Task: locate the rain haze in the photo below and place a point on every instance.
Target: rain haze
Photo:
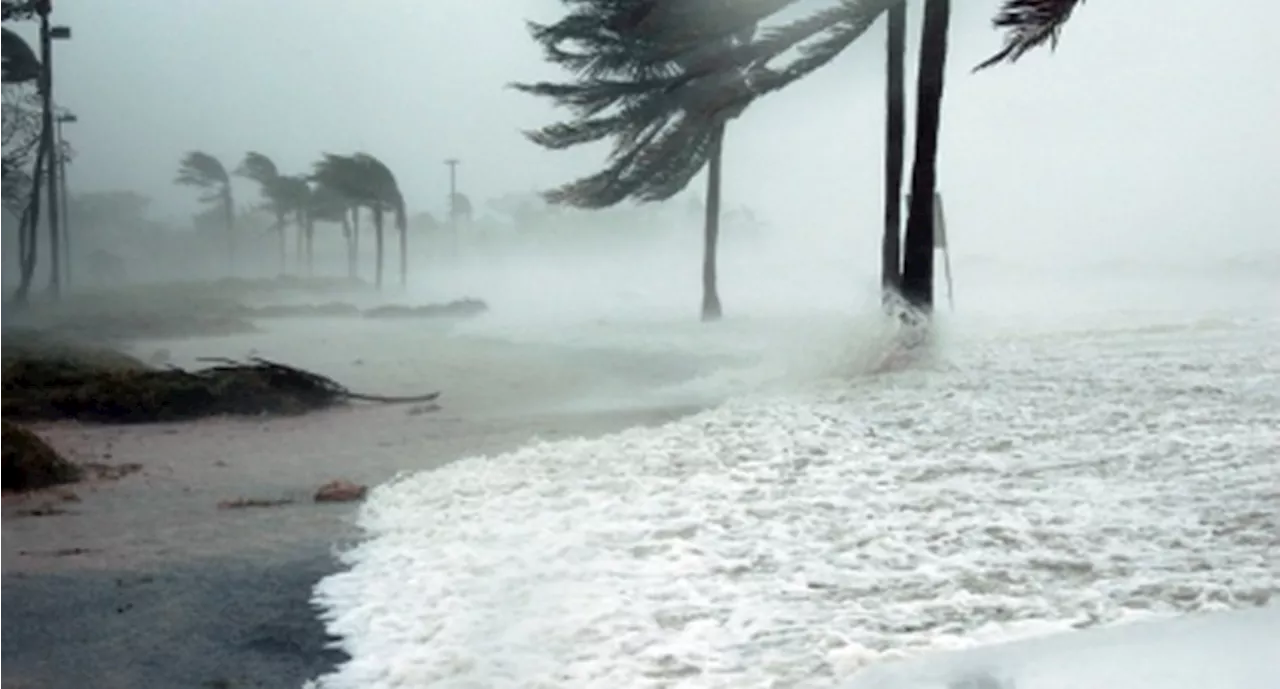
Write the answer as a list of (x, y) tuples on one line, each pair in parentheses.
[(600, 490)]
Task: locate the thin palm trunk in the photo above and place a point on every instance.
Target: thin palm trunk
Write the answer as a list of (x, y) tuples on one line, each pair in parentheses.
[(917, 272), (378, 246), (404, 256), (354, 257), (894, 136), (711, 310), (299, 241), (283, 242), (308, 230), (349, 238), (229, 217)]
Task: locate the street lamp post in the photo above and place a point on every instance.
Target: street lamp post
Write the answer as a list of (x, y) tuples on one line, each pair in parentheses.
[(65, 118)]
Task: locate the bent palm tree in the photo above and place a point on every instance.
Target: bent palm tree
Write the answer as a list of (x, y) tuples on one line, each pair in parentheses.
[(205, 172), (366, 182), (635, 89), (338, 177), (384, 192), (261, 170)]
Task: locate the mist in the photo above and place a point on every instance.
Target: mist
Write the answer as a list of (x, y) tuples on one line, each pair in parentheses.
[(1138, 142)]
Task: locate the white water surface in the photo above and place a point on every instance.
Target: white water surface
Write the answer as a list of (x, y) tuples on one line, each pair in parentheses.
[(1072, 452)]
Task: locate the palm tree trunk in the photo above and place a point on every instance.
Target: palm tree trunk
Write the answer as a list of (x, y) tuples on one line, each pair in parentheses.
[(299, 242), (894, 136), (308, 235), (349, 234), (404, 257), (283, 243), (711, 310), (917, 271), (378, 249), (229, 217), (355, 241)]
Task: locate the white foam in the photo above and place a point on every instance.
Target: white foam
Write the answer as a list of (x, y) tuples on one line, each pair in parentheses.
[(1018, 484)]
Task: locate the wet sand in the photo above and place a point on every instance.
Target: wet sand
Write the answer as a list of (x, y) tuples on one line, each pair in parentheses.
[(144, 582)]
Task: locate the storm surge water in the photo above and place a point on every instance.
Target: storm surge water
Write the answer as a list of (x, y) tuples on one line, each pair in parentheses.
[(1079, 448)]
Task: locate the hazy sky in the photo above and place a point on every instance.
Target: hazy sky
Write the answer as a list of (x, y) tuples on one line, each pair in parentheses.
[(1153, 123)]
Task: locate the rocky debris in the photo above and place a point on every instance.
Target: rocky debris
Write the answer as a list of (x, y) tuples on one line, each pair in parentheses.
[(245, 503), (341, 491)]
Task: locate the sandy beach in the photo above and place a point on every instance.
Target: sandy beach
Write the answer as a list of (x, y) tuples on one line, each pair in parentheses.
[(142, 581)]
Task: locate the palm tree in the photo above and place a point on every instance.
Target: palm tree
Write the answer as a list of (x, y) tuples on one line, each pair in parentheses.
[(337, 178), (666, 29), (366, 182), (205, 172), (263, 171), (666, 130)]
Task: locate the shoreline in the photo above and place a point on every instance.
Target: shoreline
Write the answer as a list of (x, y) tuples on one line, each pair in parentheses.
[(142, 580)]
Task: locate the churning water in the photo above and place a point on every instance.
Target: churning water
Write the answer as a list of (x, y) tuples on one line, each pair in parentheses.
[(1072, 452)]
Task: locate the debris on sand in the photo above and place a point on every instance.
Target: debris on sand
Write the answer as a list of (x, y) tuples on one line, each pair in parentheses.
[(89, 386), (30, 463), (341, 491), (245, 503)]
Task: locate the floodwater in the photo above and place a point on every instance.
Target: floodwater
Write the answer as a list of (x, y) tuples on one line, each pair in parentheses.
[(1076, 449)]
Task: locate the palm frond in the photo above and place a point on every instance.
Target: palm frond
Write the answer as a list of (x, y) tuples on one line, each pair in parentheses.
[(199, 169), (1029, 24), (20, 63), (257, 167)]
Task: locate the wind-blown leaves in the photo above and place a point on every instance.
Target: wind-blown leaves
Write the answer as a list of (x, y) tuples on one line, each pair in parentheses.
[(1029, 24), (203, 171)]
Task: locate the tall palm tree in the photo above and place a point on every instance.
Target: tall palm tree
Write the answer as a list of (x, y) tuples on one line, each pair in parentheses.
[(368, 183), (205, 172), (666, 130), (338, 178), (669, 28), (385, 194), (263, 171)]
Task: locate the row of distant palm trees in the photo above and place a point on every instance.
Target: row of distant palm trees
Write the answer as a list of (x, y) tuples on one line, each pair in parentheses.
[(338, 188)]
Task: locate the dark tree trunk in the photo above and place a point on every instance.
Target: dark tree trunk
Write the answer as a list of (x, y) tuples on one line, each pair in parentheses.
[(894, 136), (355, 241), (378, 247), (711, 310), (917, 271)]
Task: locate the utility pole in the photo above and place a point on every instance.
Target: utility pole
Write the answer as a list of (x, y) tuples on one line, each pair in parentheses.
[(453, 204), (48, 34), (65, 118)]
